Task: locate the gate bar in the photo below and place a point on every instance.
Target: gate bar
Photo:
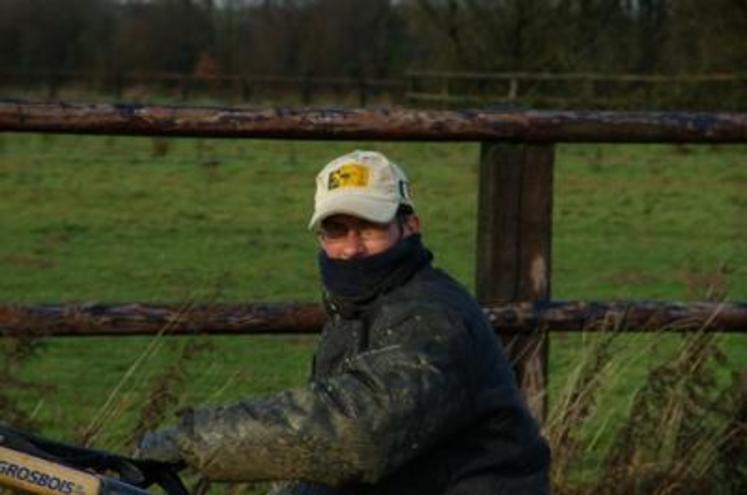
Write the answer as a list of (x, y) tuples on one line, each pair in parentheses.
[(383, 124), (307, 318)]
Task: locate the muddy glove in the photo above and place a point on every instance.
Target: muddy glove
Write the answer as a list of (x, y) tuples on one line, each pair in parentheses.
[(159, 446)]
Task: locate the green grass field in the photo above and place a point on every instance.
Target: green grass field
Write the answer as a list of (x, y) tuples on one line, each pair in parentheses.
[(116, 219)]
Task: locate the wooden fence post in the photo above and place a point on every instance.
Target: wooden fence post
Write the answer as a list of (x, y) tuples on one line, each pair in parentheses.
[(184, 87), (514, 248), (513, 89), (362, 91), (306, 89), (118, 85), (247, 89)]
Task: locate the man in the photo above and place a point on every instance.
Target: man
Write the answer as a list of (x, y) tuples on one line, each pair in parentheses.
[(410, 392)]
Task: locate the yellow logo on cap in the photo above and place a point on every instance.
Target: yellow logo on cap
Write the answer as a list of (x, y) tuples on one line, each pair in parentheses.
[(349, 175)]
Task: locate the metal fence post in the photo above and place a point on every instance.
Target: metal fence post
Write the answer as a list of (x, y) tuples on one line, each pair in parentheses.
[(514, 246)]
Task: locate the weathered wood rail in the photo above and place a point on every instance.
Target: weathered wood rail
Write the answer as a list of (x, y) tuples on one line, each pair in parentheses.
[(514, 244), (385, 124), (307, 318)]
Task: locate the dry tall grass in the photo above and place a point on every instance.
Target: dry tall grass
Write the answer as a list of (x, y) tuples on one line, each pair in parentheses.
[(16, 351), (682, 434)]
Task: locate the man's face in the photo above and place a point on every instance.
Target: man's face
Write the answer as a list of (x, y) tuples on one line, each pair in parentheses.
[(345, 237)]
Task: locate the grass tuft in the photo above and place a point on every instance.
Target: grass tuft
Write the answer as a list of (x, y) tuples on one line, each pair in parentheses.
[(19, 349), (672, 439), (168, 388)]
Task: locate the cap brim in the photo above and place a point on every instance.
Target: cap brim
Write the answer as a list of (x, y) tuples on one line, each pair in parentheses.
[(371, 209)]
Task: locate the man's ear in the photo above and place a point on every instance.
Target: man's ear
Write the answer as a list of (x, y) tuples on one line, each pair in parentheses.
[(412, 224)]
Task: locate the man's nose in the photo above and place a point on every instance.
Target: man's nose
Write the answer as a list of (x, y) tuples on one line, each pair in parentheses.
[(353, 246)]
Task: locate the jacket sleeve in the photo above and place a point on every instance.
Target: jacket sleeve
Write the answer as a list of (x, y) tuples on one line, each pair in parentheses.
[(387, 405)]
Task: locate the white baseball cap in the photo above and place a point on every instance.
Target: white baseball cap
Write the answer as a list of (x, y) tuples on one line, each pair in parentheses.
[(363, 184)]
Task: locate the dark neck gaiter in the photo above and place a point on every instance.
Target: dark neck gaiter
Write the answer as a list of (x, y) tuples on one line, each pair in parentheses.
[(361, 279)]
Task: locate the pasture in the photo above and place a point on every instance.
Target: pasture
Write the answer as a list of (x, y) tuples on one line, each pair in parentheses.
[(117, 219)]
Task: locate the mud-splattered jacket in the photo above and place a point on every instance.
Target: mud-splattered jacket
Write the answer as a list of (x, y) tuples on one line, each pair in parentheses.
[(410, 394)]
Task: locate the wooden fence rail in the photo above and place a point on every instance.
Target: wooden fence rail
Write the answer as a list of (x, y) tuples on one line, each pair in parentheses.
[(388, 124), (307, 318), (578, 76)]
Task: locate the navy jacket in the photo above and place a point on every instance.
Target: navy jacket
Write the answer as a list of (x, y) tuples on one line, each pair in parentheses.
[(410, 394)]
